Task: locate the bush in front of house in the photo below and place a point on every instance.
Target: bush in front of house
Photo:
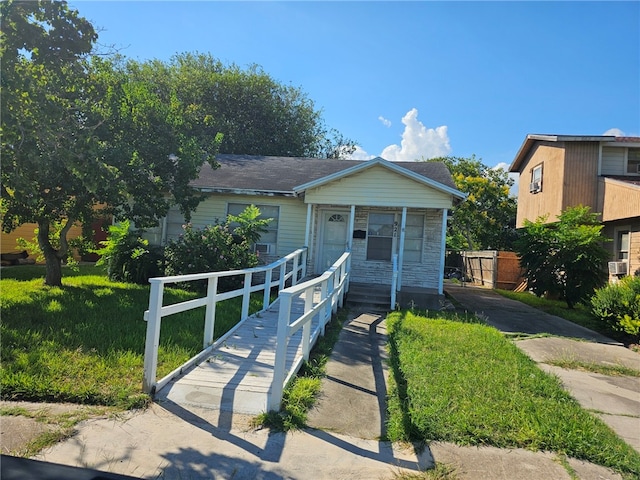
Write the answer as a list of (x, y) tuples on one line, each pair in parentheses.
[(618, 304), (214, 248), (129, 257)]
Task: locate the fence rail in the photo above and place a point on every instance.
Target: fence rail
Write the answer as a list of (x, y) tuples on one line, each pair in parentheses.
[(290, 268)]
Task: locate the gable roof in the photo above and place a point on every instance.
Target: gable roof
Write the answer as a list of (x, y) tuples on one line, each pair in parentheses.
[(288, 175), (532, 139)]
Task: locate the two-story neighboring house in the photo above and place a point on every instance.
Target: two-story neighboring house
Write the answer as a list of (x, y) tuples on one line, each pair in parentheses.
[(601, 172)]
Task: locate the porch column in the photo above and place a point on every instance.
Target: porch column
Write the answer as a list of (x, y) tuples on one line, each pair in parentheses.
[(403, 224), (352, 222), (443, 248), (307, 230)]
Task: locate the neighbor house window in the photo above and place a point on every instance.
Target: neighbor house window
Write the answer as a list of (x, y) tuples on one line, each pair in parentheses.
[(622, 245), (380, 236), (268, 240), (536, 179), (633, 160)]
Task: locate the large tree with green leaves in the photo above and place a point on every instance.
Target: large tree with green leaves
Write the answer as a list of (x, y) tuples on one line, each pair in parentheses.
[(256, 114), (80, 133), (564, 258), (486, 219)]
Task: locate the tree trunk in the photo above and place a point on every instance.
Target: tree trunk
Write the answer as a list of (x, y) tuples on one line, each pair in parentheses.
[(53, 257)]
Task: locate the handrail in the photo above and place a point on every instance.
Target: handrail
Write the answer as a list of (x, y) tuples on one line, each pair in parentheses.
[(153, 316), (330, 289)]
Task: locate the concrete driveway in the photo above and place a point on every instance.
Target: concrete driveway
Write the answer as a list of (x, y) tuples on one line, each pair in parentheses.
[(615, 399)]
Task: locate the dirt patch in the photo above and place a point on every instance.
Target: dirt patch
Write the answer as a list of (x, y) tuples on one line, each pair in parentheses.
[(27, 427)]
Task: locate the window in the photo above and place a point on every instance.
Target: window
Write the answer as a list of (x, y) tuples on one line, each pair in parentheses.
[(380, 236), (270, 237), (633, 160), (413, 235), (622, 245), (536, 179)]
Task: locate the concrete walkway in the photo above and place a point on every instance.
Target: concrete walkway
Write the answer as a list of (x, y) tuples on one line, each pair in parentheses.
[(343, 442)]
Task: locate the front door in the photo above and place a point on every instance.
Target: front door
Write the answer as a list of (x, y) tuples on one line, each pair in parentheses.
[(333, 238)]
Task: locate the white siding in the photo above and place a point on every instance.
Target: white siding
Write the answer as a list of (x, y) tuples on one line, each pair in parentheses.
[(378, 186), (613, 162)]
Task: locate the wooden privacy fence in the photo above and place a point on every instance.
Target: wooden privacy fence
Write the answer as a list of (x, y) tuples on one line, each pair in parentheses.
[(492, 268)]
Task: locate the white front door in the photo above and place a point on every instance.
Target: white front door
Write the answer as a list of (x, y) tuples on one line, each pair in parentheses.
[(333, 238)]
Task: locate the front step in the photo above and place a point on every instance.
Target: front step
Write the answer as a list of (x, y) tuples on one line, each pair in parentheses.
[(377, 297)]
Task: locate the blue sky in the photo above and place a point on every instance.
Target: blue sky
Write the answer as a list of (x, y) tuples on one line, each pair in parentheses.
[(407, 80)]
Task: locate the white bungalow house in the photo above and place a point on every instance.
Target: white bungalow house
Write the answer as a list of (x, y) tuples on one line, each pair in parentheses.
[(376, 209)]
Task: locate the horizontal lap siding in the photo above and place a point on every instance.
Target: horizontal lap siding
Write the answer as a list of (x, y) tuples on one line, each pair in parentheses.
[(619, 200), (291, 223), (377, 186)]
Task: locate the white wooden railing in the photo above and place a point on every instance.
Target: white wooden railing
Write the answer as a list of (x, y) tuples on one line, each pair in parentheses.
[(330, 289), (293, 267)]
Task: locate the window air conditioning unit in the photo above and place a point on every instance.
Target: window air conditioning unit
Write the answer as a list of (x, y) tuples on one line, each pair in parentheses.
[(618, 268), (265, 248), (534, 187)]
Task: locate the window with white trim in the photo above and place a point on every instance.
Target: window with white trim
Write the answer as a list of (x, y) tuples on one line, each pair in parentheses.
[(622, 244), (268, 238), (382, 236), (633, 161), (536, 179)]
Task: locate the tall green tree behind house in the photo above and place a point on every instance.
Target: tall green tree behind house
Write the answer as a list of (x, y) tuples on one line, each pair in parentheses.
[(256, 114), (80, 132), (487, 218), (564, 258)]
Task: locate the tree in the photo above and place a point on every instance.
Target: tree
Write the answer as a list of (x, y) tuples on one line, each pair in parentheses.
[(486, 219), (564, 258), (79, 133), (256, 114)]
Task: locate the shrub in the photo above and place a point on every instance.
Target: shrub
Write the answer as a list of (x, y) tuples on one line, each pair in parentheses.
[(214, 248), (618, 304), (129, 257)]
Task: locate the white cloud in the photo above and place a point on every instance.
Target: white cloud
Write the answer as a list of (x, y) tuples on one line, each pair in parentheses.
[(418, 141), (516, 178), (616, 132), (360, 154), (385, 122)]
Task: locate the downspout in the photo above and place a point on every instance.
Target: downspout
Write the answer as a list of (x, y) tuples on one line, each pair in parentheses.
[(443, 248), (163, 233), (403, 224), (308, 234)]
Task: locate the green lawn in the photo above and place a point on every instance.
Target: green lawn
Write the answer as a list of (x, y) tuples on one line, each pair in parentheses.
[(84, 342), (466, 383)]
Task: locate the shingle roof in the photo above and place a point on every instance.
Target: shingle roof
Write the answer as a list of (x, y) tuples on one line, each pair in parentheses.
[(282, 174)]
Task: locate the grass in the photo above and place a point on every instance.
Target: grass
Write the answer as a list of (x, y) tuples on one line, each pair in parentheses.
[(466, 383), (301, 393), (609, 370), (580, 314), (84, 342)]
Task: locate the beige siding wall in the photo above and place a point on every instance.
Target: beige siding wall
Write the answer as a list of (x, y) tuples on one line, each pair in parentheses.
[(580, 179), (549, 200), (377, 186), (633, 225), (618, 200), (613, 161)]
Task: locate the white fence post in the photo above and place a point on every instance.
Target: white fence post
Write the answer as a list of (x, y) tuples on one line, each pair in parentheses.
[(306, 329), (266, 301), (210, 312), (282, 341), (294, 272), (246, 296), (153, 336), (324, 316), (283, 275)]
